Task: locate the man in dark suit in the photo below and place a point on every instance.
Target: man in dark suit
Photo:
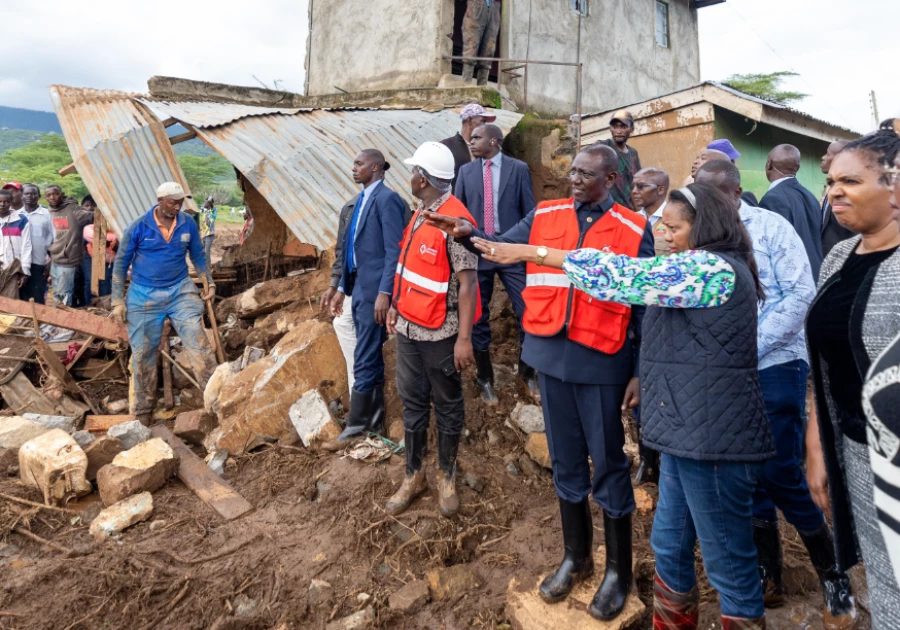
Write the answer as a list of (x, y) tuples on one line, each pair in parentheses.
[(790, 199), (371, 248), (496, 189), (472, 116), (832, 231)]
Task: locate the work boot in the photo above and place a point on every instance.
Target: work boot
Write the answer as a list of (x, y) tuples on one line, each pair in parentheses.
[(529, 377), (485, 377), (415, 483), (448, 500), (835, 583), (673, 610), (648, 466), (742, 623), (358, 421), (578, 563), (609, 599), (376, 424), (767, 539)]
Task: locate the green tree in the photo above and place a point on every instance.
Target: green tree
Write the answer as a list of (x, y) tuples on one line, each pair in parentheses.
[(205, 174), (39, 163), (766, 86)]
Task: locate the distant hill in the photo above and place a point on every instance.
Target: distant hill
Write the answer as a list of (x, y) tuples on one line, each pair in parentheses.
[(28, 119), (191, 147), (15, 138)]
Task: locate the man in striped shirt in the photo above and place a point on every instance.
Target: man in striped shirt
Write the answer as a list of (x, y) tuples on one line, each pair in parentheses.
[(15, 247)]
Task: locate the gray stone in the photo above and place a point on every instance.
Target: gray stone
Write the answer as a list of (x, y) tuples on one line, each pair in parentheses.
[(119, 516), (320, 593), (528, 418), (16, 430), (65, 423), (512, 470), (83, 438), (473, 481), (244, 606), (411, 598), (312, 419), (217, 462), (130, 433)]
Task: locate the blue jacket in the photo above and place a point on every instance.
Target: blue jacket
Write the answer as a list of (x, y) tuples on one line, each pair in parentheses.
[(802, 210), (153, 261), (377, 245), (516, 197)]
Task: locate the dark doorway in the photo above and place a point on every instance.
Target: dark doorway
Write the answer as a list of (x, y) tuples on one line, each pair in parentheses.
[(458, 15)]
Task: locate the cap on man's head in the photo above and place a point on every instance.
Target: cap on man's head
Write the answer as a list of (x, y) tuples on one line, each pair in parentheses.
[(171, 189), (12, 185), (623, 116), (474, 109), (724, 145)]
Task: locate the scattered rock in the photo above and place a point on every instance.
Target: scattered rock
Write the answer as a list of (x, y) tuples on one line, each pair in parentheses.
[(122, 515), (118, 406), (56, 464), (320, 593), (537, 447), (449, 582), (312, 419), (157, 525), (100, 453), (244, 606), (194, 426), (411, 598), (493, 438), (529, 418), (83, 438), (16, 430), (256, 401), (362, 598), (217, 461), (145, 468), (65, 423), (643, 501), (473, 481), (512, 470), (357, 621), (529, 467), (130, 433)]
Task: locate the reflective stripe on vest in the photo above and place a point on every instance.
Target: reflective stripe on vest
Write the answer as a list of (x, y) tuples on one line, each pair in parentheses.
[(551, 302), (421, 281)]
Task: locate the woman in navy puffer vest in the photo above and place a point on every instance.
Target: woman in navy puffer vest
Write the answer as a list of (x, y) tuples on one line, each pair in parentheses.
[(702, 407)]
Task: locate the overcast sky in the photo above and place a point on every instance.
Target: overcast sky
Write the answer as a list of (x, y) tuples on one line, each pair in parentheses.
[(841, 54)]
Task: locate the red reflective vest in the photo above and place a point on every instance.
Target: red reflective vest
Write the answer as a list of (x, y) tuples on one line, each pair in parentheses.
[(423, 271), (550, 300)]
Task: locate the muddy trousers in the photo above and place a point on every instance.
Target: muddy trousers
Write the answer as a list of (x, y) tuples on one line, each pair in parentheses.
[(480, 28), (420, 379), (148, 308)]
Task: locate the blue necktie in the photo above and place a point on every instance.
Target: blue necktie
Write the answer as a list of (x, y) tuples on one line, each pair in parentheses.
[(351, 249)]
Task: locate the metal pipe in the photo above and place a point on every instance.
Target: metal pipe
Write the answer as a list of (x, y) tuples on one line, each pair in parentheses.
[(540, 63)]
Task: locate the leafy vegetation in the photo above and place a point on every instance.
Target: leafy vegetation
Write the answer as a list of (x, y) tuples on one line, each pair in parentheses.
[(766, 86)]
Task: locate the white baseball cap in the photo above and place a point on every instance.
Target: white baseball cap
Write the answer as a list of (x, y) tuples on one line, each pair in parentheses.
[(171, 189)]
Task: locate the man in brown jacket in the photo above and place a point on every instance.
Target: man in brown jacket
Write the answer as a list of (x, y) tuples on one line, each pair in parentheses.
[(67, 250)]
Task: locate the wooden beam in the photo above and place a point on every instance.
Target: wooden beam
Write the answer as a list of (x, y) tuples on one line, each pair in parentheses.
[(168, 122), (72, 320), (67, 170), (202, 481), (102, 424), (183, 137), (166, 367)]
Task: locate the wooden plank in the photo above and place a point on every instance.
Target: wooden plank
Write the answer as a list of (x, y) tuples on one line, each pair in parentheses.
[(79, 321), (166, 367), (196, 475), (102, 424), (183, 137), (67, 170)]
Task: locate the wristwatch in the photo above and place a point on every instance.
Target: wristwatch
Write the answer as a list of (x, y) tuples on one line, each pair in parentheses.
[(541, 254)]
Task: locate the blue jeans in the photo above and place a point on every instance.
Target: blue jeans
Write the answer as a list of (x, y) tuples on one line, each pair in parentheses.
[(148, 308), (783, 483), (63, 280), (104, 287), (712, 502)]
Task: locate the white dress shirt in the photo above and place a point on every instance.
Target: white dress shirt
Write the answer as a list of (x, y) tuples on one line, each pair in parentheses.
[(656, 217), (778, 181)]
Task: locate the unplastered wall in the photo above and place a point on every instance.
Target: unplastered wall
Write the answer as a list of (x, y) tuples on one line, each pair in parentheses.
[(623, 63), (389, 44)]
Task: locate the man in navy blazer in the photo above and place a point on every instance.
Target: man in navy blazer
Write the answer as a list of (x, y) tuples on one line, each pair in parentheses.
[(790, 199), (370, 250), (497, 191)]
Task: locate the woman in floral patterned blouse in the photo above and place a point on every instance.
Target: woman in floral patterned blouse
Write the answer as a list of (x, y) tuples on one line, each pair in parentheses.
[(702, 406)]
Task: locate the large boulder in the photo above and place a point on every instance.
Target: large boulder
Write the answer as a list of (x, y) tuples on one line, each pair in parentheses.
[(257, 401), (145, 468), (121, 515), (16, 430)]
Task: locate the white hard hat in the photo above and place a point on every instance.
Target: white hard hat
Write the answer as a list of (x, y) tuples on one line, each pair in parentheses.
[(435, 158)]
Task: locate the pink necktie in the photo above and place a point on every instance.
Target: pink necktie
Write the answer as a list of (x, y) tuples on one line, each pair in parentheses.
[(488, 199)]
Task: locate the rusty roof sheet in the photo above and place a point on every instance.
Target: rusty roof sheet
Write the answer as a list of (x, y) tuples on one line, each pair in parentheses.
[(301, 162), (206, 114), (119, 149)]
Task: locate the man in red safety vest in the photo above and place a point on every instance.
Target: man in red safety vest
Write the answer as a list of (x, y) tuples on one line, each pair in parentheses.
[(434, 306), (586, 352)]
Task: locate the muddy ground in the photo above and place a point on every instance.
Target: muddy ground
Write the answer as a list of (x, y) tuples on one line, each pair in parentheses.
[(319, 516)]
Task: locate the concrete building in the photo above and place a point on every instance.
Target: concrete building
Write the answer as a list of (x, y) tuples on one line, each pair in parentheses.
[(631, 49), (670, 131)]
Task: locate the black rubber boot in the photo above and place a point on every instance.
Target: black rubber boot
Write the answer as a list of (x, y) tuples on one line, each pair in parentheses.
[(648, 466), (485, 378), (358, 420), (529, 377), (376, 424), (767, 539), (835, 583), (578, 563), (610, 598)]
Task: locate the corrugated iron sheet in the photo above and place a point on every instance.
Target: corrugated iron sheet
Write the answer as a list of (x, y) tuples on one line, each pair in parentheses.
[(119, 148), (301, 162), (205, 114)]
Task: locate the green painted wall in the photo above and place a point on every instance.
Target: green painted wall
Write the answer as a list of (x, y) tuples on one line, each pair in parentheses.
[(755, 147)]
